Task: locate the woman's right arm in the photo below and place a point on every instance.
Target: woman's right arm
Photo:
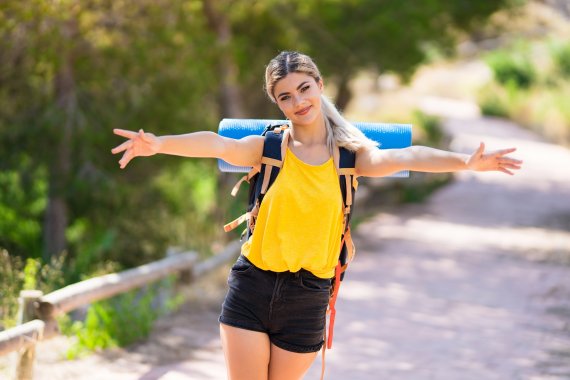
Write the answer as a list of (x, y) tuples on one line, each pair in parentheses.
[(244, 152)]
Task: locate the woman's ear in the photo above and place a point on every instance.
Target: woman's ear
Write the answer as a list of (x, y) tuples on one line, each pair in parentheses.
[(321, 84)]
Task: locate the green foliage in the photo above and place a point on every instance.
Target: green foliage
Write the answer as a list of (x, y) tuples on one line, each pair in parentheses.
[(542, 106), (16, 276), (10, 285), (493, 107), (346, 37), (189, 194), (514, 70), (492, 102), (430, 127), (121, 320), (23, 197), (91, 334), (91, 242), (30, 274), (561, 59), (72, 71)]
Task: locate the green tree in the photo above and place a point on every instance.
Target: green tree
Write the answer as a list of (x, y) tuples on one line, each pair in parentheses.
[(72, 71), (348, 36)]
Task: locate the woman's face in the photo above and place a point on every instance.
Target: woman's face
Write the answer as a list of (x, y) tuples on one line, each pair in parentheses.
[(298, 96)]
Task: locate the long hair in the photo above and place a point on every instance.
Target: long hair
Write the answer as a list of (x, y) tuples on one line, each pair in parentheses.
[(339, 131)]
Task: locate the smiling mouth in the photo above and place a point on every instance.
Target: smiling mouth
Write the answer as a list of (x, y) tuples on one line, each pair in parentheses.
[(303, 111)]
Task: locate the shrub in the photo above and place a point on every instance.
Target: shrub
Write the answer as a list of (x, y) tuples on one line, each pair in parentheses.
[(123, 319), (511, 69), (431, 132), (16, 276), (10, 284), (561, 59), (492, 101)]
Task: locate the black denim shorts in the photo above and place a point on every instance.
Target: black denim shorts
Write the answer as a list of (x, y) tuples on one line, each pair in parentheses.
[(289, 307)]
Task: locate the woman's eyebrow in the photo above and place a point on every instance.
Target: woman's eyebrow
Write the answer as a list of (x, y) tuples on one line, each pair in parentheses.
[(298, 87)]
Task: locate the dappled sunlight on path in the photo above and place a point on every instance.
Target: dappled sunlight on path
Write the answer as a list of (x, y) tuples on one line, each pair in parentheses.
[(474, 284)]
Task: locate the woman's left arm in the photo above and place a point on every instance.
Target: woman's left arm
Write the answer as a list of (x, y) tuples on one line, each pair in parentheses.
[(377, 163)]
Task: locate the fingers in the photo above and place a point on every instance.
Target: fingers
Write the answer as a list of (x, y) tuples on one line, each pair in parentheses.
[(513, 167), (124, 146), (481, 149), (496, 161), (125, 133), (127, 145), (502, 152), (128, 156), (145, 136), (506, 163), (508, 160)]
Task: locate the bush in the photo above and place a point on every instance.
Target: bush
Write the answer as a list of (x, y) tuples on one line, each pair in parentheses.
[(10, 285), (493, 106), (561, 59), (121, 320), (16, 276), (493, 101), (431, 133), (509, 69)]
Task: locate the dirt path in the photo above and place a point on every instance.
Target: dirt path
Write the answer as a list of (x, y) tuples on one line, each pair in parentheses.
[(469, 285)]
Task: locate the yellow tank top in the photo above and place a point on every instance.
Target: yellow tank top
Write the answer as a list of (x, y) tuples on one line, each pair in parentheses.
[(299, 224)]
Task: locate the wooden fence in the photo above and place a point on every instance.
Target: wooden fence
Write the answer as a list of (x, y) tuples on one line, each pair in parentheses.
[(37, 312)]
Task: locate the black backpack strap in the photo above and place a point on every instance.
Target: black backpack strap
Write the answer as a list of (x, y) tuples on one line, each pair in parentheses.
[(271, 164), (348, 186), (261, 178)]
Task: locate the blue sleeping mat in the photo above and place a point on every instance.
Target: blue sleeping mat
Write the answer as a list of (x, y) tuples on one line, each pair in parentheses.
[(389, 136)]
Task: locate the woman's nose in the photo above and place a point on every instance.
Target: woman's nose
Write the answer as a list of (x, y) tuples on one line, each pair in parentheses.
[(296, 99)]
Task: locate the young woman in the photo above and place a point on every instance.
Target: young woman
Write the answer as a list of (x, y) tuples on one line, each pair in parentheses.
[(273, 318)]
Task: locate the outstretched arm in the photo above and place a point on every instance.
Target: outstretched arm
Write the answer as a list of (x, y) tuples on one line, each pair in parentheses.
[(243, 152), (378, 163)]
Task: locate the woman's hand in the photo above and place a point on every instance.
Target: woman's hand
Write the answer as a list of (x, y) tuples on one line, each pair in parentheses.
[(139, 144), (493, 161)]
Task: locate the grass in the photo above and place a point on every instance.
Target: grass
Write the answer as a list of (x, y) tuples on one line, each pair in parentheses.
[(533, 94)]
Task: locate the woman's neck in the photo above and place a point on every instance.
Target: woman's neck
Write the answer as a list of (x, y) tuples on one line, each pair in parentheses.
[(310, 134)]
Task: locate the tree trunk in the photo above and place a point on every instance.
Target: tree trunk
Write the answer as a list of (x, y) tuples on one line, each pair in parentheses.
[(56, 217), (344, 93), (229, 94)]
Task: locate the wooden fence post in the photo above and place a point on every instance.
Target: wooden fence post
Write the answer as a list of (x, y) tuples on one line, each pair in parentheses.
[(26, 313)]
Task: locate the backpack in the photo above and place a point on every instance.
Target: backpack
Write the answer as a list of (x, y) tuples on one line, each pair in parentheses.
[(260, 180)]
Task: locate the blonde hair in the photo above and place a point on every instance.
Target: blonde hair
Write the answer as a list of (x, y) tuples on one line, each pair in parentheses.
[(339, 131)]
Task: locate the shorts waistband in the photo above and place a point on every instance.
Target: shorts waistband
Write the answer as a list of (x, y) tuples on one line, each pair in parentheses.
[(300, 273)]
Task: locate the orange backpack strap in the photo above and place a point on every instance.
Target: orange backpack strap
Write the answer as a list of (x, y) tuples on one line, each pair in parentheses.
[(245, 178), (236, 222), (345, 162)]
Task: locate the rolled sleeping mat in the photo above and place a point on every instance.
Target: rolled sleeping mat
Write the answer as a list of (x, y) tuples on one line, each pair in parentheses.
[(388, 135)]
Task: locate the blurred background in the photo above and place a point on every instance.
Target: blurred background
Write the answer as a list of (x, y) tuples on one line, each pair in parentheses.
[(72, 71)]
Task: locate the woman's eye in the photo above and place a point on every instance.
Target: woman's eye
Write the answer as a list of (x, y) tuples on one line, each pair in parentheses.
[(305, 88), (283, 98)]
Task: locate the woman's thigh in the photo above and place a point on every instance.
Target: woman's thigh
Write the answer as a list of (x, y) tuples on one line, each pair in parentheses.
[(288, 365), (247, 353)]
